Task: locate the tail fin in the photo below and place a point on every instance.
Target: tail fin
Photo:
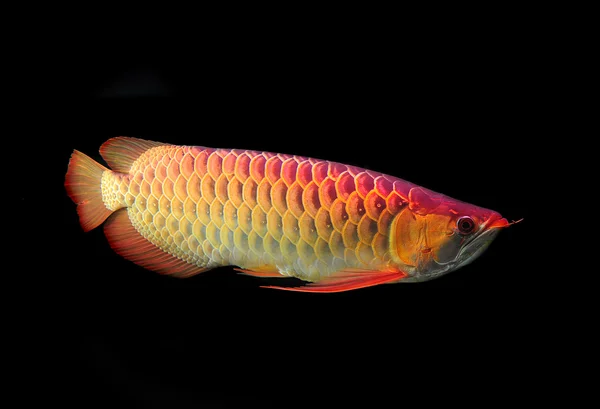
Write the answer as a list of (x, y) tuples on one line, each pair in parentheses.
[(84, 186)]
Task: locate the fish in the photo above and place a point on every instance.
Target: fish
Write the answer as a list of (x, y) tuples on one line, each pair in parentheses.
[(183, 210)]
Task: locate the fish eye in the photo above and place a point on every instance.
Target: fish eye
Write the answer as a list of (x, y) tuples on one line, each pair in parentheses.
[(465, 225)]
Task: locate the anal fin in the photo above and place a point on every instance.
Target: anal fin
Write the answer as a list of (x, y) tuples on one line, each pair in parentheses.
[(126, 241), (347, 280)]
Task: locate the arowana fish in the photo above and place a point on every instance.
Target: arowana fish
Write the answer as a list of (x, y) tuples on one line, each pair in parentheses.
[(182, 210)]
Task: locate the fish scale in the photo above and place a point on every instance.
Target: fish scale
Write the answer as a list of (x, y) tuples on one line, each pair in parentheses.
[(212, 207)]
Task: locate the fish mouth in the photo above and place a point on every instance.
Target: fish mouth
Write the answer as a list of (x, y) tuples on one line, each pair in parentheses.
[(497, 222)]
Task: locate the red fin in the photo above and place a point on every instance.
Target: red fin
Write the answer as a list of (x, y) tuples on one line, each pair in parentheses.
[(83, 184), (130, 244), (122, 151), (347, 280), (263, 271)]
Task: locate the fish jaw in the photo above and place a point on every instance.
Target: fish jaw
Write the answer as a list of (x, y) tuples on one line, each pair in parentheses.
[(476, 248)]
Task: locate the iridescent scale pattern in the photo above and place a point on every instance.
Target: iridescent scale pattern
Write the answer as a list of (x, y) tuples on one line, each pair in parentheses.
[(305, 217)]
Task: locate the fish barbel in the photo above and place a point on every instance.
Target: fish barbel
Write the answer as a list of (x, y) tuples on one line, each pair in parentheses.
[(182, 210)]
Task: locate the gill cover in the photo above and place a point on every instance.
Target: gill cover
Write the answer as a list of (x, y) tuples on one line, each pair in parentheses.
[(425, 231)]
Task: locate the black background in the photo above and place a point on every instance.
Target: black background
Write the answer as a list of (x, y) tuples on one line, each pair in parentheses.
[(453, 115)]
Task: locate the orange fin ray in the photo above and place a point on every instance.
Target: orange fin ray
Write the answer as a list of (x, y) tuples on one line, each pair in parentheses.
[(263, 272), (122, 151), (83, 183), (130, 244), (347, 280)]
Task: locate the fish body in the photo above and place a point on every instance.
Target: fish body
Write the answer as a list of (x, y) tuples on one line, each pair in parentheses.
[(181, 210)]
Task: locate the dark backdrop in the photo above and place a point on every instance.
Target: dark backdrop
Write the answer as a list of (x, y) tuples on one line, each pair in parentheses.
[(451, 118)]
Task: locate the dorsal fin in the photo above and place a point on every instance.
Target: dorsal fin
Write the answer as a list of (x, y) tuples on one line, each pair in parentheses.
[(122, 151)]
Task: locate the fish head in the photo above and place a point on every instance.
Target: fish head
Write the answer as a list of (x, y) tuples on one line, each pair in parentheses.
[(436, 234)]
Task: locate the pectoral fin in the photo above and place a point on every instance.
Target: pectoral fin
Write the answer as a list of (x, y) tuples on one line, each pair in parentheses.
[(347, 280), (262, 271)]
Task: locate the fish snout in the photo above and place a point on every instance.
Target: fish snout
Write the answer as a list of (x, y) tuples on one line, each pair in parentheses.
[(496, 221)]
